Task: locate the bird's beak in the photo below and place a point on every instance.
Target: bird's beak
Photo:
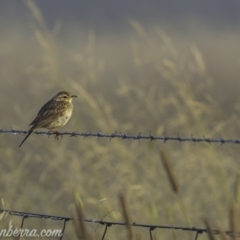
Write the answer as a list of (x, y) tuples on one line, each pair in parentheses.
[(74, 96)]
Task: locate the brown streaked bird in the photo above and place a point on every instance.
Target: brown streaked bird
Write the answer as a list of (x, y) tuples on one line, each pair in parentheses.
[(53, 114)]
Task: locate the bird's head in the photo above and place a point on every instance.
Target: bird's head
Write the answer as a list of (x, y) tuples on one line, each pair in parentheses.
[(64, 96)]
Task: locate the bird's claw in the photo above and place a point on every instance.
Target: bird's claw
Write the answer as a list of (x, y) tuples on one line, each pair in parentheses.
[(56, 135)]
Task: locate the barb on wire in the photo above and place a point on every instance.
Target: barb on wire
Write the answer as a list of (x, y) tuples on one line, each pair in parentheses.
[(112, 223), (138, 137)]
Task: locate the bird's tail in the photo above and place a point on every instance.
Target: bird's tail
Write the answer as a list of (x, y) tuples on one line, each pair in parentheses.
[(29, 133)]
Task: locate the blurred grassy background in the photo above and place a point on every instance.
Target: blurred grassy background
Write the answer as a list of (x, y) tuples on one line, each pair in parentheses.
[(141, 82)]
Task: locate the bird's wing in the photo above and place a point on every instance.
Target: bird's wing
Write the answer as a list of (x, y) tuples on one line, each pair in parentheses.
[(48, 113)]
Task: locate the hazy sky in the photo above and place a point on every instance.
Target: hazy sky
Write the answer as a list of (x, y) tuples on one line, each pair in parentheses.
[(103, 14), (213, 26)]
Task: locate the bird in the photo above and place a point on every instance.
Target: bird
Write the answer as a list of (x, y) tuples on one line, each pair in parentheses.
[(53, 114)]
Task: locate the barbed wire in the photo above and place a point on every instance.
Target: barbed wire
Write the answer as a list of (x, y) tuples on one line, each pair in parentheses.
[(108, 224), (139, 137)]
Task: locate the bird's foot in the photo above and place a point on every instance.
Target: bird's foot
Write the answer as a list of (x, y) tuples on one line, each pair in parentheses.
[(56, 135)]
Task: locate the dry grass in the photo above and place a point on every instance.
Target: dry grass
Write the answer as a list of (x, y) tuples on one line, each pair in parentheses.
[(165, 91)]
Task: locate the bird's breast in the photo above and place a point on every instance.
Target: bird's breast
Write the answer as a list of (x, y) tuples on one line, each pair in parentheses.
[(67, 114), (62, 119)]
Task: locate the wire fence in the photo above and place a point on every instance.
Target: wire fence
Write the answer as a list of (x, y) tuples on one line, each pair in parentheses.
[(107, 224), (138, 136)]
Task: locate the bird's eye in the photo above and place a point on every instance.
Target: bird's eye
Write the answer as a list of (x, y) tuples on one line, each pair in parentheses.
[(64, 96)]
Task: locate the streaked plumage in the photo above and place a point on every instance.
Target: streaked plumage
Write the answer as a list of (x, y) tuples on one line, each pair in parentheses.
[(53, 114)]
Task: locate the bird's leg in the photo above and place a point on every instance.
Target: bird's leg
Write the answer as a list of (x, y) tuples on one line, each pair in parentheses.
[(55, 133)]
